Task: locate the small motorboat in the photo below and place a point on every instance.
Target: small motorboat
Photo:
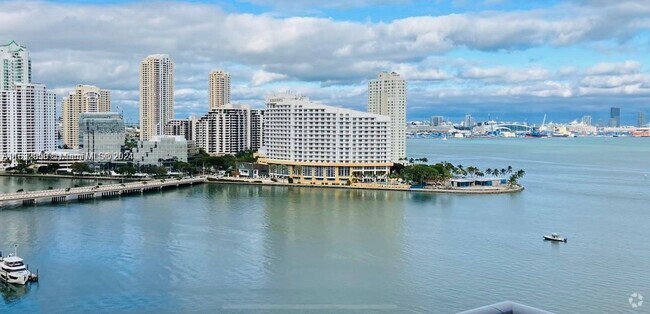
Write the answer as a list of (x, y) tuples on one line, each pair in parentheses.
[(554, 237)]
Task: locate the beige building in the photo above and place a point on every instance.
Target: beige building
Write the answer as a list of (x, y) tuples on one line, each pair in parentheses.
[(219, 89), (387, 97), (84, 98), (156, 95), (311, 143)]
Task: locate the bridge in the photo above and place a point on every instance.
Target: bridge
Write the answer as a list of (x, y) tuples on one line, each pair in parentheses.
[(98, 191)]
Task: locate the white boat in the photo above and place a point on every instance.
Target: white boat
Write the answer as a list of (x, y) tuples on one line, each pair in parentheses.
[(13, 270), (554, 237)]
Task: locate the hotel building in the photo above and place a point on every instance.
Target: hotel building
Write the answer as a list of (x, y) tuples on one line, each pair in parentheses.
[(387, 97), (156, 95), (85, 98), (219, 89), (312, 143), (229, 129)]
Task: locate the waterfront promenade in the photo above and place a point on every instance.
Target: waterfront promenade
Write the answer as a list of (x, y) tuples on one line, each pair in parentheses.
[(96, 191), (371, 186)]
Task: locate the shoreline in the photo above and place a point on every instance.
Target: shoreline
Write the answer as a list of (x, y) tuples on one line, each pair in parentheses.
[(517, 189)]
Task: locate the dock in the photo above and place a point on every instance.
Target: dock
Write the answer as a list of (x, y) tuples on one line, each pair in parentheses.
[(97, 191)]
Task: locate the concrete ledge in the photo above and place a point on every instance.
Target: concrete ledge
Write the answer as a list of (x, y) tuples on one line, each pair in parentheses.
[(372, 187)]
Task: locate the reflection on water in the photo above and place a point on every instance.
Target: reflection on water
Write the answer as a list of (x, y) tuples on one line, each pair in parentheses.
[(13, 293)]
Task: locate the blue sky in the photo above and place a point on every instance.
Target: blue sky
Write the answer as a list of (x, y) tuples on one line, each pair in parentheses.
[(516, 60)]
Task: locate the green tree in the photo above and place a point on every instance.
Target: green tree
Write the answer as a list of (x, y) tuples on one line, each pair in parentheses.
[(42, 170), (156, 171), (127, 170), (419, 173), (520, 173), (80, 167)]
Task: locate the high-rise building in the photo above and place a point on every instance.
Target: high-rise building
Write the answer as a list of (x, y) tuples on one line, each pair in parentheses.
[(85, 98), (156, 95), (387, 97), (15, 65), (469, 121), (229, 129), (257, 129), (182, 127), (27, 120), (312, 143), (615, 117), (640, 119), (219, 89), (102, 134), (28, 111), (586, 120), (437, 120)]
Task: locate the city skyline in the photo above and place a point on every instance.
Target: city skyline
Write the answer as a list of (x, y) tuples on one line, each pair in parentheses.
[(546, 63)]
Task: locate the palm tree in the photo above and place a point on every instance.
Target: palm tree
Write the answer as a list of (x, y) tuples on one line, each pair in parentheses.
[(488, 171), (520, 173), (509, 169)]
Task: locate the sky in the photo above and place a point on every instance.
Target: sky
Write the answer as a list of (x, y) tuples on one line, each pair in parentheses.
[(506, 59)]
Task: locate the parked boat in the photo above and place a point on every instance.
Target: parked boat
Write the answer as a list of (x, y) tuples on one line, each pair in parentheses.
[(554, 237), (13, 270)]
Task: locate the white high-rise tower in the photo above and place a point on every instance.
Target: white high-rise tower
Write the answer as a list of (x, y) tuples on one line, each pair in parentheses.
[(15, 65), (387, 96), (156, 95), (219, 89), (28, 115)]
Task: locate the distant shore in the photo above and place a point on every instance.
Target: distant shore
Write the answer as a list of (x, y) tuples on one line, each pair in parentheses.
[(387, 187)]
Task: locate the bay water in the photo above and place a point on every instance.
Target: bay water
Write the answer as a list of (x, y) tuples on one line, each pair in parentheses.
[(258, 249)]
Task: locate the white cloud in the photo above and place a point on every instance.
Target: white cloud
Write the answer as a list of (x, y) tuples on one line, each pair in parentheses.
[(262, 77), (626, 67), (505, 75), (103, 45)]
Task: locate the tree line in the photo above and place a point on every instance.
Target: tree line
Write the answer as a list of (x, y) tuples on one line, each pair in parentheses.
[(438, 174)]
